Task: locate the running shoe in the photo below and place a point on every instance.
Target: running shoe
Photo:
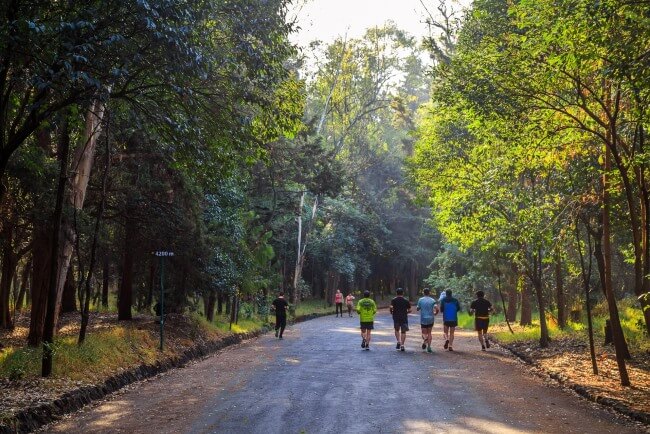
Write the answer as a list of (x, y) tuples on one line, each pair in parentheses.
[(482, 347), (424, 345), (367, 347), (446, 344), (401, 348), (397, 346), (451, 349), (487, 342), (363, 343), (280, 337), (429, 349)]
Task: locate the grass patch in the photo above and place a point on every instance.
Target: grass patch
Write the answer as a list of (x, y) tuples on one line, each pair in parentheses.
[(222, 324), (314, 306), (102, 353), (631, 316)]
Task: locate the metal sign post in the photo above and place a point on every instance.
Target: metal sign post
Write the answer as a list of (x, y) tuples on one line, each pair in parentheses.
[(162, 255)]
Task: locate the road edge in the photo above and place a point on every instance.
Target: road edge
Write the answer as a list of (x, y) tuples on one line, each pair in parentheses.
[(35, 417), (583, 391)]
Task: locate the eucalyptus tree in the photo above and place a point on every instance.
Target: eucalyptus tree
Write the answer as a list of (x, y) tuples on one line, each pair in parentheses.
[(363, 97)]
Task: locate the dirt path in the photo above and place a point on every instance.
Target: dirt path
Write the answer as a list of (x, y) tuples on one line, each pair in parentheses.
[(319, 380)]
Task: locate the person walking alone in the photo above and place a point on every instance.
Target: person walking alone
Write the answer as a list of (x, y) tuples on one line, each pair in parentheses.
[(349, 300), (481, 309), (280, 306), (366, 308), (400, 308), (338, 300), (428, 308), (449, 308)]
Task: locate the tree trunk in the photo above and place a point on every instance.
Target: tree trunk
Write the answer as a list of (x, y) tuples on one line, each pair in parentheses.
[(537, 284), (586, 278), (219, 302), (51, 300), (85, 309), (152, 284), (9, 264), (302, 247), (559, 286), (511, 313), (620, 345), (125, 295), (69, 299), (40, 272), (82, 162), (106, 280), (208, 306), (413, 285), (526, 318), (20, 300)]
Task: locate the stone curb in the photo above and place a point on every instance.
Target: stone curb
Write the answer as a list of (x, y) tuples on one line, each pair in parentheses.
[(35, 417), (583, 391)]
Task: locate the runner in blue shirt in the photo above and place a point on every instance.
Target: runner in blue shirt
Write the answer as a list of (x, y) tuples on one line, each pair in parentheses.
[(449, 307), (427, 307)]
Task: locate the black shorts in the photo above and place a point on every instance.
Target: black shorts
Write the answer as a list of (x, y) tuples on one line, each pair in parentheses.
[(280, 321), (451, 323), (367, 325), (481, 324), (426, 326), (403, 326)]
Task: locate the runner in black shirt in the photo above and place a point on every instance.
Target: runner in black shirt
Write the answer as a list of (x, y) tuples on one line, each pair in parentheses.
[(481, 308), (280, 306), (400, 308)]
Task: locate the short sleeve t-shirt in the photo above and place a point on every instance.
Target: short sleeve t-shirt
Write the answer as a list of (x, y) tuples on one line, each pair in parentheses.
[(400, 309), (366, 308), (338, 298), (280, 305), (349, 299), (450, 308), (481, 308), (425, 305)]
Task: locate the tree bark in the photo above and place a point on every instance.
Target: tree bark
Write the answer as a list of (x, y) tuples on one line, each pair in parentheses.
[(51, 301), (208, 306), (559, 286), (85, 309), (82, 163), (20, 300), (69, 297), (220, 302), (526, 317), (302, 247), (9, 264), (151, 285), (537, 284), (40, 272), (106, 280), (125, 295), (620, 345), (511, 313)]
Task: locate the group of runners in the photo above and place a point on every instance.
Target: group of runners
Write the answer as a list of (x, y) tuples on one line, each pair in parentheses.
[(400, 307), (428, 307)]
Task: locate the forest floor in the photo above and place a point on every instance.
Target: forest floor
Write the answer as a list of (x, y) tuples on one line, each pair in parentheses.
[(567, 359)]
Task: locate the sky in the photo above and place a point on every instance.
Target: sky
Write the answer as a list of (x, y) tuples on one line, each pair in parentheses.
[(327, 19)]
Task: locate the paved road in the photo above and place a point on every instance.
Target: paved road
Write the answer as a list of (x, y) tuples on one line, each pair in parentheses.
[(318, 380)]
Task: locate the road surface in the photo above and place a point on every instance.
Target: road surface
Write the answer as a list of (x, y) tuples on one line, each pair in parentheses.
[(319, 380)]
